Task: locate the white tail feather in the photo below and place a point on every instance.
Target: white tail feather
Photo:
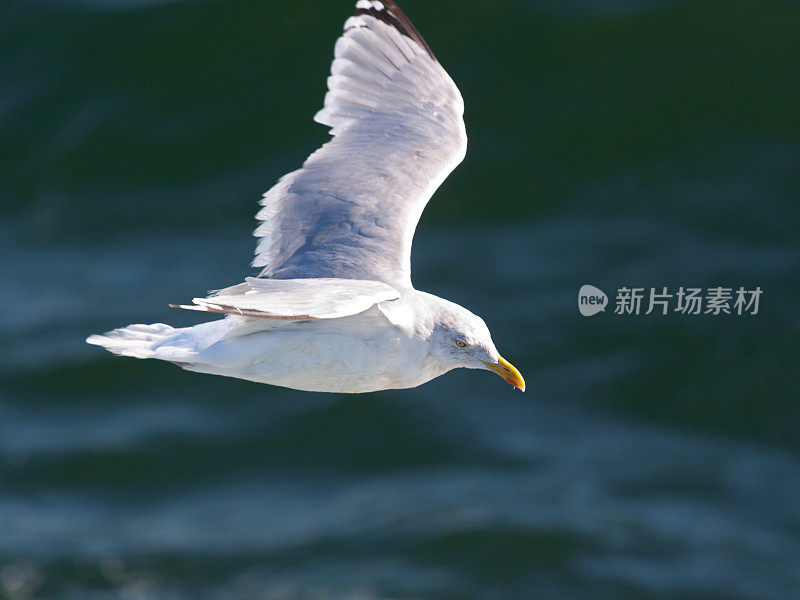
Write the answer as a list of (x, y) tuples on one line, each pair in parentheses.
[(138, 341)]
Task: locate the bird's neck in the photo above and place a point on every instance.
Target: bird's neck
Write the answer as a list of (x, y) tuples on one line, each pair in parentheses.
[(414, 312)]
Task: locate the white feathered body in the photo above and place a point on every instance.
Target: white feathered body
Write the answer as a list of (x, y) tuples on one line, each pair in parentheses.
[(358, 353)]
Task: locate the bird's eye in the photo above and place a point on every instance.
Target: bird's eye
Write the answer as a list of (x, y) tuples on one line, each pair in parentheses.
[(461, 344)]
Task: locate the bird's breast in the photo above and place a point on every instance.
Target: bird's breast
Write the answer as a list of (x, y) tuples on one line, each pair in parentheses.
[(329, 356)]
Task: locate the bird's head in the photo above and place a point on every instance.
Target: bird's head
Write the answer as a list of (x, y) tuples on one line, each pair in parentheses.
[(462, 339)]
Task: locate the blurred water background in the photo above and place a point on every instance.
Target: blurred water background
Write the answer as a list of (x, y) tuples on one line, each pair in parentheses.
[(617, 143)]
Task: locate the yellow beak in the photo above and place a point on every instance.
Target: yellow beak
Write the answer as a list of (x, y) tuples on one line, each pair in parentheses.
[(508, 372)]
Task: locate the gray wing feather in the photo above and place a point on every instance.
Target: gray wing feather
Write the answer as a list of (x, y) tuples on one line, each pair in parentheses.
[(295, 298), (397, 120)]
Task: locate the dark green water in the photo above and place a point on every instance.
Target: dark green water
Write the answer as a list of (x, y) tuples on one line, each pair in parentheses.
[(619, 143)]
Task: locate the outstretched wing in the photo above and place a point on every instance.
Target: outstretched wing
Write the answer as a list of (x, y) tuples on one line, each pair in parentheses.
[(397, 119), (295, 299)]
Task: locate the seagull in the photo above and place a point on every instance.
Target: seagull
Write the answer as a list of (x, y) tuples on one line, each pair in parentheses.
[(333, 308)]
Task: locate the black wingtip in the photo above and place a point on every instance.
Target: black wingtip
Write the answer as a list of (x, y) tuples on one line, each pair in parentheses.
[(391, 14)]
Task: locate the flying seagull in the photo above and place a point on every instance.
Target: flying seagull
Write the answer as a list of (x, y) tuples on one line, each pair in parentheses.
[(333, 309)]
